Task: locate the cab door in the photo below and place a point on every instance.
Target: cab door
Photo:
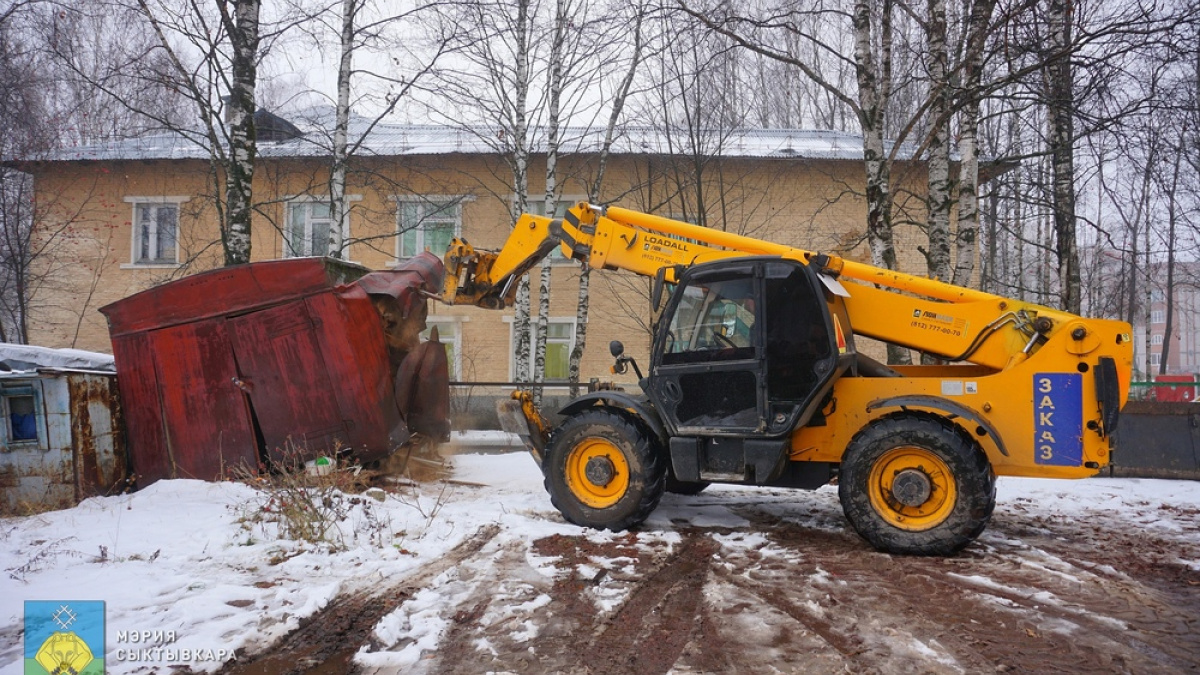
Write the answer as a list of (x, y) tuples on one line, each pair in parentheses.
[(746, 348), (708, 374)]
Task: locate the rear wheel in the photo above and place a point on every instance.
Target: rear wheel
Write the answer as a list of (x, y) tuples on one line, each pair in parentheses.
[(915, 483), (604, 469)]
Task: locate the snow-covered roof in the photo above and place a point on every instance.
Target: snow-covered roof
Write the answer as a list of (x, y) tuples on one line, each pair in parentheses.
[(393, 140), (29, 358)]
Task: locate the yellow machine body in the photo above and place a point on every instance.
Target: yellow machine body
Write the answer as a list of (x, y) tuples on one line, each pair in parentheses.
[(1037, 389)]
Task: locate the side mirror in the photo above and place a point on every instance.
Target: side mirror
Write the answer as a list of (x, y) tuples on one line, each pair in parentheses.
[(656, 289), (616, 349)]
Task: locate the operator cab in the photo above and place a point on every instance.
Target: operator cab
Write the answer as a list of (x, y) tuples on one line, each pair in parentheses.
[(747, 350)]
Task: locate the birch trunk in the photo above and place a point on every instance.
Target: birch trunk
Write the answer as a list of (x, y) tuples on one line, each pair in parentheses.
[(966, 240), (1060, 81), (938, 199), (337, 173), (554, 103), (242, 28), (1147, 297), (585, 274), (874, 90), (1172, 222), (520, 160)]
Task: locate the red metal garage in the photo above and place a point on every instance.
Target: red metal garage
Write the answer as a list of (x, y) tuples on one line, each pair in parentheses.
[(228, 367)]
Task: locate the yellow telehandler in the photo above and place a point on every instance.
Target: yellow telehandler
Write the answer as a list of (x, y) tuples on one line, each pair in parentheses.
[(754, 379)]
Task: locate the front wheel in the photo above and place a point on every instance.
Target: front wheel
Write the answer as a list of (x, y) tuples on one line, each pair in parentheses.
[(604, 469), (915, 483)]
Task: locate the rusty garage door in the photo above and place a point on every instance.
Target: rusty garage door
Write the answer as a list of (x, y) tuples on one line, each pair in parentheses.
[(239, 365)]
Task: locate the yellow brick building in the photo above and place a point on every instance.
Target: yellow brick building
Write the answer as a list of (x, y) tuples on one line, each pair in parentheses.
[(118, 218)]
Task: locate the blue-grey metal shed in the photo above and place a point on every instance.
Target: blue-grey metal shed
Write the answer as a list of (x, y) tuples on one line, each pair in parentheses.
[(61, 436)]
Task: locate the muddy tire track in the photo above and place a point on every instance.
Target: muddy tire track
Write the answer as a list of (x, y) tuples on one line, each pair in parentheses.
[(661, 612), (325, 643), (994, 610), (644, 635)]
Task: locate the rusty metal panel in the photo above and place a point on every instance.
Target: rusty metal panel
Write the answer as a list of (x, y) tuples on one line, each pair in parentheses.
[(97, 434), (146, 438), (206, 419), (1158, 439), (226, 291), (356, 359), (284, 372)]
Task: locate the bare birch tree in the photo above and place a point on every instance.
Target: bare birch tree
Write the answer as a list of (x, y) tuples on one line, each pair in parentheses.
[(364, 26), (213, 55), (620, 95)]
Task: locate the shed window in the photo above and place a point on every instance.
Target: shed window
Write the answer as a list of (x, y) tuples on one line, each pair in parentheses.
[(22, 417)]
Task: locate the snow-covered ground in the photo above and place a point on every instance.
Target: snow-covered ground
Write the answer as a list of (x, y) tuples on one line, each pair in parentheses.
[(192, 568)]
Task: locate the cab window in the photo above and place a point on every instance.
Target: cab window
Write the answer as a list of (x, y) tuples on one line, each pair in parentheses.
[(713, 321)]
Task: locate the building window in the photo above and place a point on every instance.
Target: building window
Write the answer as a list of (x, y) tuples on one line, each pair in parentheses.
[(450, 335), (560, 339), (307, 231), (428, 225), (155, 232), (1156, 340), (1155, 360), (20, 412), (1158, 316)]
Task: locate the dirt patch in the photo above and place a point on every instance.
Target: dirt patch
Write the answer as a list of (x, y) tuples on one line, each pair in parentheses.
[(789, 589), (326, 642)]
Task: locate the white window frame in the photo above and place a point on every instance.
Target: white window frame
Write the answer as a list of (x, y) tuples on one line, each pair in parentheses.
[(436, 201), (1156, 339), (1158, 316), (137, 203), (512, 364), (309, 200), (1155, 360), (455, 341)]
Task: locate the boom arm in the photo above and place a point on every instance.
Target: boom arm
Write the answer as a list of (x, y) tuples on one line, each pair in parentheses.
[(952, 322)]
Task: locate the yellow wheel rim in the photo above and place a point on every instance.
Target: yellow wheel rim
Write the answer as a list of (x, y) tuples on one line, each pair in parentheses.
[(597, 473), (912, 488)]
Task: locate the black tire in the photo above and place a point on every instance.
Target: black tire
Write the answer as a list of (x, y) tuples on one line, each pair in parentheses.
[(682, 487), (611, 445), (915, 483)]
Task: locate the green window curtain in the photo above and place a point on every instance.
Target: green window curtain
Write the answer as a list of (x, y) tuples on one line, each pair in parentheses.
[(427, 226), (558, 350), (448, 336)]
